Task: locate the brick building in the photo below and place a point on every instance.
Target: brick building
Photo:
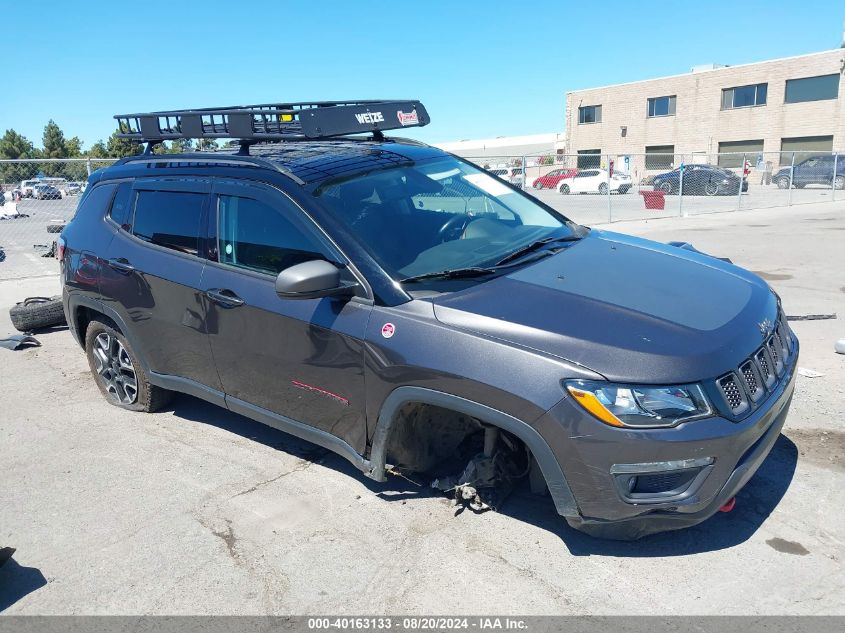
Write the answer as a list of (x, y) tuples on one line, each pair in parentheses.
[(768, 110)]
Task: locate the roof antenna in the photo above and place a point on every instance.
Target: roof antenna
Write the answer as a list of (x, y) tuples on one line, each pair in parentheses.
[(378, 135)]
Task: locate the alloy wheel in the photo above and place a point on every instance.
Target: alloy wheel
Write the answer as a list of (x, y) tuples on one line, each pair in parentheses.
[(114, 368)]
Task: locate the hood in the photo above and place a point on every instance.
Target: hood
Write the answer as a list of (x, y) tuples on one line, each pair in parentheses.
[(630, 309)]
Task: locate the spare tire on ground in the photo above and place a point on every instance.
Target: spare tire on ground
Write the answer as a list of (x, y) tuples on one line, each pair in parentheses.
[(35, 313)]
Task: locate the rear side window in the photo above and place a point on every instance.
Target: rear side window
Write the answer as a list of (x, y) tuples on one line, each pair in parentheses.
[(95, 201), (122, 205), (256, 236), (169, 218)]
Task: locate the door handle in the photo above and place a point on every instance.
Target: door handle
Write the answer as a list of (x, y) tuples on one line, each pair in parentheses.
[(121, 265), (224, 298)]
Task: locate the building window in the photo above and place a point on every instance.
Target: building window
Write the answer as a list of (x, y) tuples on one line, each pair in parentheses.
[(660, 157), (812, 89), (661, 106), (589, 114), (744, 96), (734, 153), (804, 147), (589, 158)]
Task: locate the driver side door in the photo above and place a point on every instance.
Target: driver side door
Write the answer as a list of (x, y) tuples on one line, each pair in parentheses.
[(279, 358)]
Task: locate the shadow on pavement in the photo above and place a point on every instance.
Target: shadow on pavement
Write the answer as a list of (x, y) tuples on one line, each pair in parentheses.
[(16, 581), (755, 502)]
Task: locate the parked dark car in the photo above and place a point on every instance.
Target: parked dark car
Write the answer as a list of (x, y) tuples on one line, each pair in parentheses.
[(403, 308), (46, 192), (816, 170), (701, 180)]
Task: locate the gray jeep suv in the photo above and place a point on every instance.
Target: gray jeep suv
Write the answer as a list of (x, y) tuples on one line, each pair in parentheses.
[(397, 305)]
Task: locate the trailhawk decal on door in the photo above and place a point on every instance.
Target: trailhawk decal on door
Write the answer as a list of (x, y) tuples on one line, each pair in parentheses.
[(320, 392)]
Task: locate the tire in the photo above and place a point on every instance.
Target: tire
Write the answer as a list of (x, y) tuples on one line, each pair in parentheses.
[(665, 187), (711, 189), (36, 313), (117, 372), (55, 228), (603, 188), (839, 182), (564, 189), (537, 185)]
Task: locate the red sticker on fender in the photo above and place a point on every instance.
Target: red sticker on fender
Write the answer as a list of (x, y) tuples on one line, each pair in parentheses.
[(388, 330)]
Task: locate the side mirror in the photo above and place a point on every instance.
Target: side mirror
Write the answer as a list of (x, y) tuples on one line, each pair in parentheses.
[(311, 280)]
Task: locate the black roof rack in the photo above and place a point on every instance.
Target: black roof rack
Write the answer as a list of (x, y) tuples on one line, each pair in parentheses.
[(274, 122)]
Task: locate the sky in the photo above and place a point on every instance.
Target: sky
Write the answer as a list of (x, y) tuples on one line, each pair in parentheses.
[(482, 69)]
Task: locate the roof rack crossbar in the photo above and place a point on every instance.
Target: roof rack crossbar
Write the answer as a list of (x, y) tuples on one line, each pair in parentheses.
[(275, 122), (215, 159)]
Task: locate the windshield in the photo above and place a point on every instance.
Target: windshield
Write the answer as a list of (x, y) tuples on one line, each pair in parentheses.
[(438, 214)]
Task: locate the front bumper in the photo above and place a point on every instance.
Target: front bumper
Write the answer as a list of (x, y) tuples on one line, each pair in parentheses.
[(727, 454)]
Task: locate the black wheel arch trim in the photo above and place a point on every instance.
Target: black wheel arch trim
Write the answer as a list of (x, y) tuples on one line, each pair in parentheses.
[(75, 301), (561, 494)]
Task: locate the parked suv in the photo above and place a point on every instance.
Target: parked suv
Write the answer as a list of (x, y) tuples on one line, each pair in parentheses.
[(395, 304), (816, 170)]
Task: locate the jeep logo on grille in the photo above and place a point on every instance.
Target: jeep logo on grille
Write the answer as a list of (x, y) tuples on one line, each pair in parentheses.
[(766, 327)]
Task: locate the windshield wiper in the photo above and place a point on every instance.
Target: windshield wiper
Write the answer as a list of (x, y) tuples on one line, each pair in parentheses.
[(455, 273), (535, 246)]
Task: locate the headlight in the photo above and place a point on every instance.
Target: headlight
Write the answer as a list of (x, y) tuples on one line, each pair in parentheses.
[(643, 406)]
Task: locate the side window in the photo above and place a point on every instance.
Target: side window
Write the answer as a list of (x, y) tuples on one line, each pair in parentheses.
[(122, 205), (169, 218), (95, 201), (259, 237)]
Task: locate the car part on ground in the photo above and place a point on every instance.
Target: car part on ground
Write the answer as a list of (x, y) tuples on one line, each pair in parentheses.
[(810, 317), (55, 228), (19, 341), (490, 475), (36, 313)]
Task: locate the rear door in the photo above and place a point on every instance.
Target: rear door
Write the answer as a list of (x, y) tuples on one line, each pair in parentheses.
[(153, 273), (297, 358)]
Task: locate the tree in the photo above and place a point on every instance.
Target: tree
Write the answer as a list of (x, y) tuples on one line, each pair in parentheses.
[(14, 145), (74, 147), (98, 150), (54, 141), (120, 147)]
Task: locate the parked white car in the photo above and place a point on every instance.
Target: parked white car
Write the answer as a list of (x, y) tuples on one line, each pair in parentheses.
[(596, 181)]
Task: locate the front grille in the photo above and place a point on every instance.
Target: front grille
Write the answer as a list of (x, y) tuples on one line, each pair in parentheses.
[(755, 390), (774, 349), (758, 374), (732, 392)]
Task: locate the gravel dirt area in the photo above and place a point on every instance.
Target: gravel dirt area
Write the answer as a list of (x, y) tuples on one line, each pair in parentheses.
[(196, 510)]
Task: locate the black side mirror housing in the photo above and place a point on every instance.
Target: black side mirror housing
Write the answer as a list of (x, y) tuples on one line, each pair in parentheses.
[(311, 280)]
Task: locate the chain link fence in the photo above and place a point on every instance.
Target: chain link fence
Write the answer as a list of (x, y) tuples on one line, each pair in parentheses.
[(40, 196), (591, 187), (37, 197)]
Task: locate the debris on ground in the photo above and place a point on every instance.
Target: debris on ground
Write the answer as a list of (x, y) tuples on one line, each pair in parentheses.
[(34, 313), (809, 373), (15, 342), (839, 346), (809, 317), (489, 476)]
